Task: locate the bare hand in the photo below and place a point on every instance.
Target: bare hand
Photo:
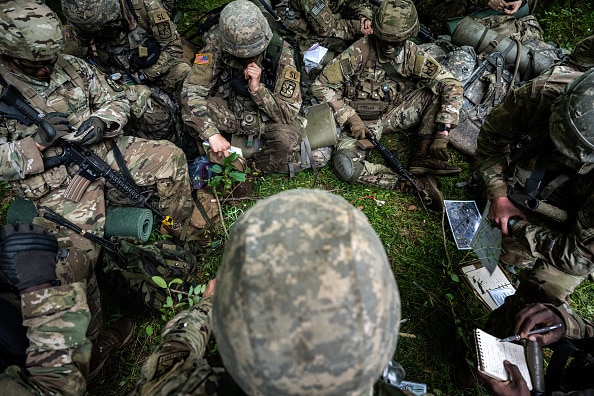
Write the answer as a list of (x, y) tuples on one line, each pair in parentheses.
[(252, 73), (512, 7), (500, 211), (516, 386), (366, 28), (210, 288), (538, 314), (219, 145)]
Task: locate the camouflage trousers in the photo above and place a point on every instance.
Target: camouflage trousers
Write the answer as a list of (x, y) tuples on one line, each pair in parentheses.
[(280, 141), (157, 164), (153, 113), (419, 107), (544, 283)]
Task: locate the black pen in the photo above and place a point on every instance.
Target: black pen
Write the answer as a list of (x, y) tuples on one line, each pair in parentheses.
[(535, 331)]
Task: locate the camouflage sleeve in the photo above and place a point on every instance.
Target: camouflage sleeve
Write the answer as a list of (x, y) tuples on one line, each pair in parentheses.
[(571, 252), (330, 83), (57, 319), (197, 86), (114, 110), (439, 80), (164, 31), (20, 159), (575, 327), (284, 103), (325, 23), (177, 365), (505, 124)]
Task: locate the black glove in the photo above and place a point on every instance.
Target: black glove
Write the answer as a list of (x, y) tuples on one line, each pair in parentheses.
[(55, 124), (28, 255), (90, 131)]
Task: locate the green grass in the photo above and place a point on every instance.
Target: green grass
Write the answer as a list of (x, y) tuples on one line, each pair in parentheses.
[(439, 309)]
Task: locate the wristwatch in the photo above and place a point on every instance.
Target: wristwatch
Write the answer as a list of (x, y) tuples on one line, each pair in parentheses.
[(511, 223), (443, 127)]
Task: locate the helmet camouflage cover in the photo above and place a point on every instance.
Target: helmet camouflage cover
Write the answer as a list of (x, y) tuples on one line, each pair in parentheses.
[(395, 21), (306, 301), (30, 30), (571, 124), (244, 30), (91, 15)]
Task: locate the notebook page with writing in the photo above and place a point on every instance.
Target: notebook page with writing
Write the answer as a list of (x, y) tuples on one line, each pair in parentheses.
[(491, 353)]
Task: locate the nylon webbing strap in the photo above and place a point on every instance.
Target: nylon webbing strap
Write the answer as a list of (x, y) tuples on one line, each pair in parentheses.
[(533, 182)]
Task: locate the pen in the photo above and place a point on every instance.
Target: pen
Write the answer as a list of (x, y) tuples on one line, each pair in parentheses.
[(535, 331)]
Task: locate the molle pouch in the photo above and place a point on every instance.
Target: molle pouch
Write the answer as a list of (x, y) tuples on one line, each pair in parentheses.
[(147, 54), (35, 187), (369, 109)]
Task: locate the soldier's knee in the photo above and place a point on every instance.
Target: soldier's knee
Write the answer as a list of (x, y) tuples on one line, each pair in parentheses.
[(346, 165)]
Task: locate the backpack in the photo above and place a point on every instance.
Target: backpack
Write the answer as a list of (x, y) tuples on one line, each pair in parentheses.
[(131, 270)]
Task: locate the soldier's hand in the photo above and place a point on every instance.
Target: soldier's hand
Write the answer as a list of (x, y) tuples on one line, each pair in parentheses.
[(366, 28), (219, 145), (516, 386), (252, 73), (90, 131), (28, 255), (56, 121), (357, 126), (538, 314), (439, 147)]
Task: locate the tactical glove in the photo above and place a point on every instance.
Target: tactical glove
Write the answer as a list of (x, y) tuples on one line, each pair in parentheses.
[(357, 126), (28, 255), (439, 147), (53, 126), (90, 131)]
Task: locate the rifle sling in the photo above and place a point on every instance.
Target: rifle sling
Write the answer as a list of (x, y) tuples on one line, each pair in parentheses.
[(533, 182)]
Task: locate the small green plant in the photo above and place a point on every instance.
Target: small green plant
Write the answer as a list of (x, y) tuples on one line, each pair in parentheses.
[(176, 300), (226, 175)]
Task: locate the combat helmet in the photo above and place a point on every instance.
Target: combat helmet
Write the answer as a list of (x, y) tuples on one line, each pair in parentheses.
[(306, 301), (395, 21), (244, 30), (571, 124), (91, 15), (30, 30)]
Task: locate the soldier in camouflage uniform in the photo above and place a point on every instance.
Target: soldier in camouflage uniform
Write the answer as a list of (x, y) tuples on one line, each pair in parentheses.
[(79, 108), (137, 46), (295, 257), (244, 81), (387, 81), (535, 156)]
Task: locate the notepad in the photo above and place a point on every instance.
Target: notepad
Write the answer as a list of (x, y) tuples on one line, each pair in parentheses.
[(491, 289), (491, 353)]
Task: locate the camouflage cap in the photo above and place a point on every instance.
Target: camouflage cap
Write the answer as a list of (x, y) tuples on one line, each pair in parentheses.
[(244, 30), (396, 21), (30, 30), (91, 15), (306, 301), (571, 124)]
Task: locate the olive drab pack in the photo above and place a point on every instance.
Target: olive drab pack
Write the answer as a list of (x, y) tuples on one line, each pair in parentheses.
[(133, 269)]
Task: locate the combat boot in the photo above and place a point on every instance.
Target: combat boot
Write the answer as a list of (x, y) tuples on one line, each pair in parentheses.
[(428, 192), (108, 342), (422, 163)]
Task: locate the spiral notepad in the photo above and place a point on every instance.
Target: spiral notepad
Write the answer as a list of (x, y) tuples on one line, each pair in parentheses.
[(491, 353)]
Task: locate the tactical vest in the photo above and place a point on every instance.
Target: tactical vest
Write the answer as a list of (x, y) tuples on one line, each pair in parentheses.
[(251, 120)]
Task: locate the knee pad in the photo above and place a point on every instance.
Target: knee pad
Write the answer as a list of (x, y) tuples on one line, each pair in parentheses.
[(346, 165)]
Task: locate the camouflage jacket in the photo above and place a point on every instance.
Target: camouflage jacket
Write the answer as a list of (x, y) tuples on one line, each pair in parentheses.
[(358, 74), (318, 19), (575, 327), (80, 97), (57, 319), (523, 120), (278, 100), (177, 365), (148, 20)]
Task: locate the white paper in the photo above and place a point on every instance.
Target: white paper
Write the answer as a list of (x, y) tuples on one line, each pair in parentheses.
[(313, 56), (464, 218), (499, 295)]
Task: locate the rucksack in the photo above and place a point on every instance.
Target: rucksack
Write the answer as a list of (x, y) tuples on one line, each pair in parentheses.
[(131, 271)]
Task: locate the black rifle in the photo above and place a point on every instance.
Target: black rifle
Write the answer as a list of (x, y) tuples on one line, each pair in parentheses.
[(394, 163), (535, 205), (492, 62), (92, 167), (13, 106)]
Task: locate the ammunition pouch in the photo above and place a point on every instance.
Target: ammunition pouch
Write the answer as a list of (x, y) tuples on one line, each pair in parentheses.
[(369, 110)]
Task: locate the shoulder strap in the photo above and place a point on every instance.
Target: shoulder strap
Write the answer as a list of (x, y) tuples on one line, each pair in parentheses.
[(29, 94)]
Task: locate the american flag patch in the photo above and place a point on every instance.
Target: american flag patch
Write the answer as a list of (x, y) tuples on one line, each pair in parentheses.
[(202, 59)]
